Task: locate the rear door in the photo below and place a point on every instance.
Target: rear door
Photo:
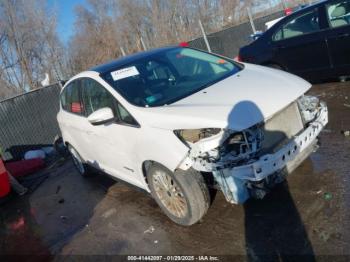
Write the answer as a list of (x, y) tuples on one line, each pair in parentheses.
[(72, 120), (338, 34), (299, 44)]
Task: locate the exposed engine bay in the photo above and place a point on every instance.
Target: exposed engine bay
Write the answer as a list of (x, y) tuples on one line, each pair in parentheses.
[(240, 160)]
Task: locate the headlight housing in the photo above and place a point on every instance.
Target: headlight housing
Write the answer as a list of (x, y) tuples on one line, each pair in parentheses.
[(194, 135), (309, 107), (227, 143)]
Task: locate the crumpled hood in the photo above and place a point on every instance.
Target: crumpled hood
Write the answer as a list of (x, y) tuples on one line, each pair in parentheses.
[(251, 96)]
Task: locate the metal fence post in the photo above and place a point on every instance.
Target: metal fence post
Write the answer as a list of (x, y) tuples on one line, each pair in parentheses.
[(143, 44), (284, 4), (204, 36), (123, 51), (251, 20)]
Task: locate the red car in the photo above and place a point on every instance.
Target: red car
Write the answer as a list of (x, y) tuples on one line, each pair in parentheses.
[(4, 180)]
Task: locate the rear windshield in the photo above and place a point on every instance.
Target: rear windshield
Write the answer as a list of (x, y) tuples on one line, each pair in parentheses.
[(168, 76)]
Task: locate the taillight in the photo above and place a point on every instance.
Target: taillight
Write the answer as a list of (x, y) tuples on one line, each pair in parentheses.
[(238, 58), (76, 107), (288, 11), (184, 44)]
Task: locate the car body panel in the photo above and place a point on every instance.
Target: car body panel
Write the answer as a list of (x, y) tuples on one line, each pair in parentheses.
[(222, 101)]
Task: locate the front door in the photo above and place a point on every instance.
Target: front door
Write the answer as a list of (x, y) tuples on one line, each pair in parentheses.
[(300, 46), (112, 145)]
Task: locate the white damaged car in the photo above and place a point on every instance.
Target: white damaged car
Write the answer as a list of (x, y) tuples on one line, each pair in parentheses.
[(177, 122)]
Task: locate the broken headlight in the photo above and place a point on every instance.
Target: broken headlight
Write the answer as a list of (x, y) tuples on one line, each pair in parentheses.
[(309, 107), (194, 135)]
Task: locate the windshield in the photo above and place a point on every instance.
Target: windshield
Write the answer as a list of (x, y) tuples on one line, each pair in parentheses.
[(168, 76)]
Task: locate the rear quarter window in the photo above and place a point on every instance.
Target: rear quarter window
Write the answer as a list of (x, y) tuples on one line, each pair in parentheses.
[(70, 99)]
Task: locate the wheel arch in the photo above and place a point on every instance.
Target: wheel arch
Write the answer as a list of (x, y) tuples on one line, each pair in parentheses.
[(146, 165), (72, 144)]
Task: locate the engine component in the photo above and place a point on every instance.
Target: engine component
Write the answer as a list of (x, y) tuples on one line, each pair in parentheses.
[(226, 149), (242, 144)]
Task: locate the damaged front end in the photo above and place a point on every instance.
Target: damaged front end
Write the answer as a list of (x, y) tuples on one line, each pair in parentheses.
[(248, 163)]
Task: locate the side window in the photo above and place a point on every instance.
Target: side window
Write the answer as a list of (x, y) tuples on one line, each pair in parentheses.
[(70, 98), (338, 13), (125, 117), (303, 24), (95, 97)]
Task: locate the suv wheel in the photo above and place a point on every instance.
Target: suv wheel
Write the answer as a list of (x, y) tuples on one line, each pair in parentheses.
[(183, 196), (78, 162)]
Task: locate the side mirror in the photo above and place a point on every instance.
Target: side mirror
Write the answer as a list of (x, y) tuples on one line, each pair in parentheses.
[(101, 116)]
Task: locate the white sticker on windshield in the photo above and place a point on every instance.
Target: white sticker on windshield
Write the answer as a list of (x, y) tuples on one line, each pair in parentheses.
[(124, 73)]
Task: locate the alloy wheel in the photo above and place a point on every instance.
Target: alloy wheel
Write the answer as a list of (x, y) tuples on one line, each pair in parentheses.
[(170, 194)]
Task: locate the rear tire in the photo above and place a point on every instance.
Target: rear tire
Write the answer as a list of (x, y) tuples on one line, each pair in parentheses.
[(79, 164), (183, 196)]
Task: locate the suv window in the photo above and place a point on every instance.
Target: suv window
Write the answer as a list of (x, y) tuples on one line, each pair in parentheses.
[(70, 98), (338, 13), (95, 97), (303, 24)]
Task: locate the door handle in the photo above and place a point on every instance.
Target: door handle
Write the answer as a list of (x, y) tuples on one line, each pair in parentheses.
[(90, 132), (341, 35)]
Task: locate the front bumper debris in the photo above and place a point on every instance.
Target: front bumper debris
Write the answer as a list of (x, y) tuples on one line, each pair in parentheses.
[(271, 163), (234, 181)]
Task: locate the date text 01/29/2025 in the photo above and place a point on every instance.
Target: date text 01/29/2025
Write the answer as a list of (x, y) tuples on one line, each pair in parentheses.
[(173, 258)]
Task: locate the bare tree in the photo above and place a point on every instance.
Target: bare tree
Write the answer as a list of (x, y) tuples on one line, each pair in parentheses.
[(100, 34), (96, 36), (29, 44)]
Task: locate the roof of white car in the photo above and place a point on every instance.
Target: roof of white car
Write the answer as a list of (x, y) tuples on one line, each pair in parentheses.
[(104, 68)]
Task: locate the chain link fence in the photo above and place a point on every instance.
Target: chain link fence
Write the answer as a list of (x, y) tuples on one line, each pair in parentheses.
[(228, 41), (28, 121)]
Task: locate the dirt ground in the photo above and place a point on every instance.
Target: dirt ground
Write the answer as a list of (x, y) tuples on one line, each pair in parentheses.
[(309, 215)]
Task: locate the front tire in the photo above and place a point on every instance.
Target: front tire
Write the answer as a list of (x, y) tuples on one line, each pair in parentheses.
[(183, 196)]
